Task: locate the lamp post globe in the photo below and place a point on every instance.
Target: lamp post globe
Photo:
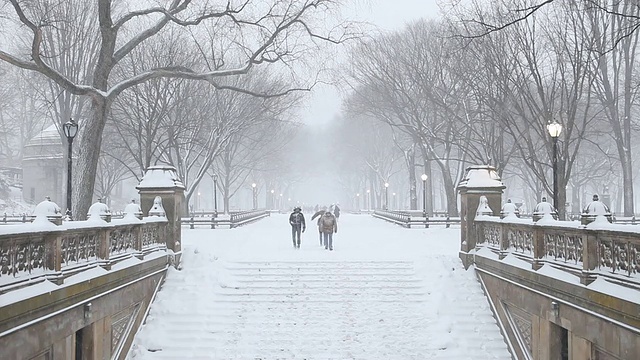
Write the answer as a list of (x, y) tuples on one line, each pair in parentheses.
[(70, 130)]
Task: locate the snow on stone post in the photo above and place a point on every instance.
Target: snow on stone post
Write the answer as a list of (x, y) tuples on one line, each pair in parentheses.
[(479, 180), (163, 181)]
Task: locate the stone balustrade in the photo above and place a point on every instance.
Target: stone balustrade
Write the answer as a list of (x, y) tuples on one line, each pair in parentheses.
[(33, 252), (596, 249), (243, 217), (411, 218)]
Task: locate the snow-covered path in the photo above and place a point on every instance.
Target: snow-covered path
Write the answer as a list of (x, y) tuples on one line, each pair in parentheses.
[(384, 293)]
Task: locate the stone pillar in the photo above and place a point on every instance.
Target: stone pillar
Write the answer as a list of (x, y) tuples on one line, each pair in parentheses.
[(479, 180), (163, 181)]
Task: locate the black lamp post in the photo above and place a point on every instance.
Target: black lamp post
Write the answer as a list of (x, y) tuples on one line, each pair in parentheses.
[(386, 196), (554, 130), (255, 196), (215, 195), (424, 195), (70, 129)]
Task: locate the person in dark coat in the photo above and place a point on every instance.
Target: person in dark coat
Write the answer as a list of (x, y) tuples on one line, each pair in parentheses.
[(336, 211), (296, 219)]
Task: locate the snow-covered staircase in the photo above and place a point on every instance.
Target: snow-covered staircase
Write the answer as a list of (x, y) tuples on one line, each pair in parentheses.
[(247, 294), (321, 310)]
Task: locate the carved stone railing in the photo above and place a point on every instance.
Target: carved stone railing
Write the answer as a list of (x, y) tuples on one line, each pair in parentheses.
[(397, 217), (244, 217), (29, 253), (589, 251), (411, 218)]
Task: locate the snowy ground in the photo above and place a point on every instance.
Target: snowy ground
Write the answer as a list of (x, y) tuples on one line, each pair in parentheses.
[(384, 293)]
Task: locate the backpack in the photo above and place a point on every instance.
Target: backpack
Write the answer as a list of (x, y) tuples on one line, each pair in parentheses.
[(328, 222)]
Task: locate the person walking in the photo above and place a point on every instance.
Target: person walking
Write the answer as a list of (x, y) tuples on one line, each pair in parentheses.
[(296, 219), (329, 227)]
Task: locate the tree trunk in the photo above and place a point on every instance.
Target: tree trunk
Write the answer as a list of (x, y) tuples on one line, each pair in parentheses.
[(84, 174), (411, 165), (450, 190), (627, 184)]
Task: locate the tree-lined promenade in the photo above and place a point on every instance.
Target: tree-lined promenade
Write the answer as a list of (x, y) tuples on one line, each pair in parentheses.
[(216, 90)]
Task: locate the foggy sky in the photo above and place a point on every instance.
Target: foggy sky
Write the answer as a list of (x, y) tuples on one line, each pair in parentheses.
[(323, 105)]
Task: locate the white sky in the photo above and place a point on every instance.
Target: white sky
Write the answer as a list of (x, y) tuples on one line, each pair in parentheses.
[(324, 103), (246, 293)]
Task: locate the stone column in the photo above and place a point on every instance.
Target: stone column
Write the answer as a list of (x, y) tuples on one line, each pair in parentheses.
[(479, 180), (163, 181)]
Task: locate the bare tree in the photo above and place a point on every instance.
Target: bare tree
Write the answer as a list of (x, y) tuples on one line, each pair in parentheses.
[(616, 85), (546, 78), (405, 79), (260, 35)]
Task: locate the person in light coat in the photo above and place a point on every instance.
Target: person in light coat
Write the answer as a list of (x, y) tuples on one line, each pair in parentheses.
[(329, 226)]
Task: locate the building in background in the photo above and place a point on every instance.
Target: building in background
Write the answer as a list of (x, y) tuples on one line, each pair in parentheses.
[(44, 168)]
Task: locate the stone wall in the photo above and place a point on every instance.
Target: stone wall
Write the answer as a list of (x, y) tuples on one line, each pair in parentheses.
[(102, 314)]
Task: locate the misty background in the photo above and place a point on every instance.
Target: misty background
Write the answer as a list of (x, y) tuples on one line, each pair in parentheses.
[(320, 101)]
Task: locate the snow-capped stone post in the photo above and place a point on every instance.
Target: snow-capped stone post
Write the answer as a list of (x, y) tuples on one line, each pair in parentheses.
[(163, 181), (47, 210), (479, 180), (595, 210)]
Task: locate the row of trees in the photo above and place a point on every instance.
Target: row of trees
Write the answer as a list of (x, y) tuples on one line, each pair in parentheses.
[(453, 93), (148, 81)]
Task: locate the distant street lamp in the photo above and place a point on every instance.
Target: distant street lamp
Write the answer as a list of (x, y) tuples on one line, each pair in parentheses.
[(215, 195), (255, 196), (386, 196), (273, 199), (280, 202), (358, 202), (554, 130), (70, 129), (368, 200), (424, 194)]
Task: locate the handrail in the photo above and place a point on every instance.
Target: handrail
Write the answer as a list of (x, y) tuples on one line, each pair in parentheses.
[(245, 217), (406, 219), (233, 220)]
